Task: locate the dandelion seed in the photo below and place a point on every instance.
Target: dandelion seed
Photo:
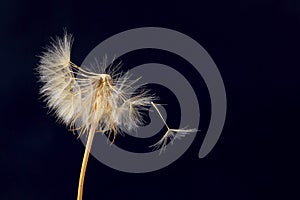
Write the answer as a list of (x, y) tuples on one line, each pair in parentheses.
[(171, 134), (100, 102)]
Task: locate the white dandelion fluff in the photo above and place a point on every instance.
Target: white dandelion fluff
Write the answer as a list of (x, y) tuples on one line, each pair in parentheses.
[(75, 94), (105, 102), (61, 91)]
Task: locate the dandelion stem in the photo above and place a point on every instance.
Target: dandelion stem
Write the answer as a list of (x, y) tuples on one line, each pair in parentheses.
[(85, 161)]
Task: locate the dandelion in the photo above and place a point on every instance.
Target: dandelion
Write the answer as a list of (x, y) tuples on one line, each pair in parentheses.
[(105, 102)]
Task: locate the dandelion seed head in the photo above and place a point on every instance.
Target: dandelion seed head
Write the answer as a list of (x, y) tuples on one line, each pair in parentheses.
[(76, 95)]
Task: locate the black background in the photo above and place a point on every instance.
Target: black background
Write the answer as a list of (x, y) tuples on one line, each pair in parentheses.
[(255, 44)]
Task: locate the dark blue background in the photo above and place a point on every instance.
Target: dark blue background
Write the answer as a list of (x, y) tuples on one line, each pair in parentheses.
[(255, 44)]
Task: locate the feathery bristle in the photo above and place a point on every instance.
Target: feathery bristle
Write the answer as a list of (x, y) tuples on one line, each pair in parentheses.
[(60, 88)]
